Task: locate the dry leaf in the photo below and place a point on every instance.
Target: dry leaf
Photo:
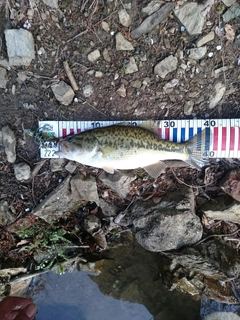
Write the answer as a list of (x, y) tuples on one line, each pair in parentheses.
[(230, 33)]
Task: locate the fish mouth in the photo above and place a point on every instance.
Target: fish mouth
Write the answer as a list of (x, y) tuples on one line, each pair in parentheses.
[(65, 146)]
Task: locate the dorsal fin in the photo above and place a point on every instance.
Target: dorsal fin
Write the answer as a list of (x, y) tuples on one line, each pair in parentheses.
[(151, 125)]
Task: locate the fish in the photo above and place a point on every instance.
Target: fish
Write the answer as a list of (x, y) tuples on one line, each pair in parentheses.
[(124, 147)]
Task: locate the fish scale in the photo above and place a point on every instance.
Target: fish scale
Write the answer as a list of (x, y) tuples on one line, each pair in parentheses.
[(225, 142)]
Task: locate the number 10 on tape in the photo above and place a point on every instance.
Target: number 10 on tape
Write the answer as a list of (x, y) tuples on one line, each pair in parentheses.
[(222, 138)]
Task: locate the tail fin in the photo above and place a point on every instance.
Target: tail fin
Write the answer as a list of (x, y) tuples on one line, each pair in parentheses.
[(198, 147)]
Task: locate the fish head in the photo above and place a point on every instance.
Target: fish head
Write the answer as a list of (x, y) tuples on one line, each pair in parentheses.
[(76, 149)]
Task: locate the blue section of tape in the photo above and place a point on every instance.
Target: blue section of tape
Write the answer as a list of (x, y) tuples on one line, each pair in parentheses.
[(174, 134), (182, 134)]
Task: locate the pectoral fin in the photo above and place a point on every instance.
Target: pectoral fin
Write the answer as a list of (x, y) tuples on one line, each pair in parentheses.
[(109, 169), (154, 170)]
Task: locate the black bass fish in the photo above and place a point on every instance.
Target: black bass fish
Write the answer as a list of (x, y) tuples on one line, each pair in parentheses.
[(126, 147)]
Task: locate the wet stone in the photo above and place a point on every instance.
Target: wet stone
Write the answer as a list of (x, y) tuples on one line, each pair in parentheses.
[(22, 171)]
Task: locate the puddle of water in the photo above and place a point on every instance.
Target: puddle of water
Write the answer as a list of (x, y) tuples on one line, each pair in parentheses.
[(74, 296)]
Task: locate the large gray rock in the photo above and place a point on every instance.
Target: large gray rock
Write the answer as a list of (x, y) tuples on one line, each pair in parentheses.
[(20, 47), (171, 224), (153, 20), (68, 196), (9, 143)]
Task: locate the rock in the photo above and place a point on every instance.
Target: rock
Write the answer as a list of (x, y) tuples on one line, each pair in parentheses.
[(191, 16), (166, 66), (71, 167), (205, 39), (228, 3), (108, 209), (57, 164), (204, 259), (51, 3), (152, 6), (105, 26), (170, 224), (122, 43), (124, 18), (218, 92), (94, 55), (197, 53), (63, 93), (188, 107), (9, 143), (3, 80), (136, 84), (153, 20), (22, 76), (20, 47), (231, 13), (5, 215), (92, 223), (222, 208), (170, 84), (231, 184), (84, 188), (118, 182), (67, 197), (106, 55), (222, 316), (98, 74), (131, 66), (87, 90), (122, 91), (22, 171)]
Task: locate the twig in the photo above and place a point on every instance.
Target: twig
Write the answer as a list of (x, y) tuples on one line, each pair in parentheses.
[(70, 76), (78, 35), (218, 235)]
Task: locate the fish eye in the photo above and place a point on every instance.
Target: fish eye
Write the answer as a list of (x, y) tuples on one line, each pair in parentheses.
[(70, 139)]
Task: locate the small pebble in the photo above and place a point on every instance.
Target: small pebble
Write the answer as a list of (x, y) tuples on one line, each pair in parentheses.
[(218, 47), (210, 54)]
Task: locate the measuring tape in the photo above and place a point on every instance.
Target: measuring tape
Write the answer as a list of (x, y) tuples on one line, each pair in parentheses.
[(224, 142)]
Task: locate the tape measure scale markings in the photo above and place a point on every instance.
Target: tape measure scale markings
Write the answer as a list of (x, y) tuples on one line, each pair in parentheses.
[(220, 138)]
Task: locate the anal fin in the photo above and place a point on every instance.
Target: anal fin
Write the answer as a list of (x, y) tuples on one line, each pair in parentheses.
[(155, 169)]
